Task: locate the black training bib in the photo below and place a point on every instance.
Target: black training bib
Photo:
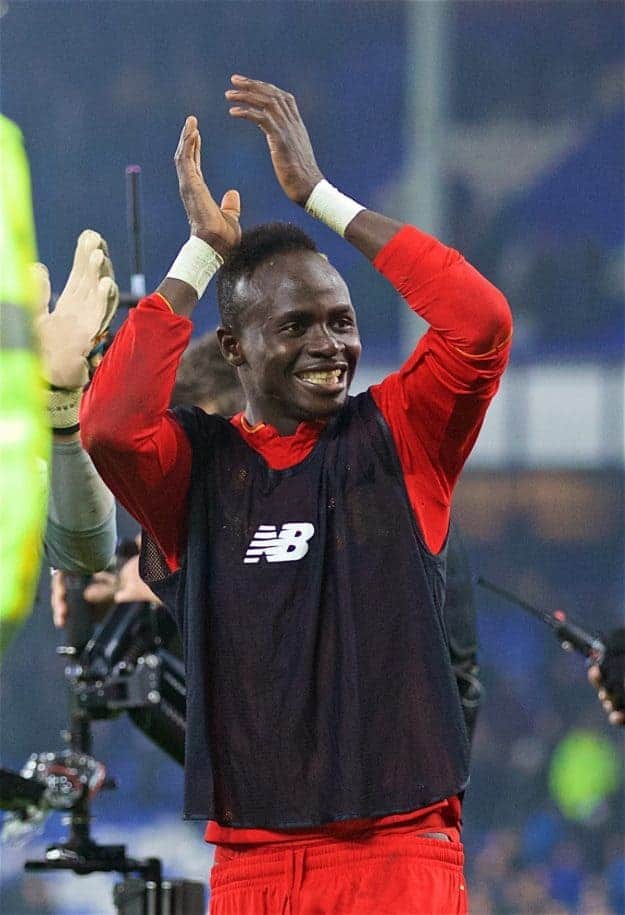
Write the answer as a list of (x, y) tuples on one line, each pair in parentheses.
[(319, 684)]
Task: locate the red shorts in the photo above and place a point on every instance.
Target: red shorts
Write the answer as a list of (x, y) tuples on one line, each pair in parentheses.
[(381, 874)]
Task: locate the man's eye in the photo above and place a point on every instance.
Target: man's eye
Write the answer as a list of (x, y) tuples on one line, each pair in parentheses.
[(293, 328), (344, 323)]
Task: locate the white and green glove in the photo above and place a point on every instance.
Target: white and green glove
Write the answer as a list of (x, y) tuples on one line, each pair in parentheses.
[(80, 319)]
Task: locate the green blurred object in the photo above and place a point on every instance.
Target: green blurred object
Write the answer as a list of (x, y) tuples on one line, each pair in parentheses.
[(584, 770), (24, 431)]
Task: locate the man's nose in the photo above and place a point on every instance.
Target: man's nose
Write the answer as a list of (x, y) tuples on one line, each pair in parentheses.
[(323, 341)]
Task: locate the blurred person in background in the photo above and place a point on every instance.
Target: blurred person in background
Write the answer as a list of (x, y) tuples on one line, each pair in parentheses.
[(321, 774), (203, 379), (25, 435), (206, 380), (80, 532)]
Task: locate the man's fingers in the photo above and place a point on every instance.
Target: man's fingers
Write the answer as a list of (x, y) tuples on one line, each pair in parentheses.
[(231, 204), (101, 588), (185, 151), (614, 717), (193, 189), (206, 220), (256, 116), (275, 112), (58, 599), (594, 675), (277, 107), (131, 585), (252, 98), (197, 152), (189, 125), (257, 94), (246, 82)]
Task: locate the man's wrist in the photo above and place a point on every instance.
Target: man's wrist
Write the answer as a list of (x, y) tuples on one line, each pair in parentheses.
[(327, 204), (197, 262), (214, 241), (66, 438), (308, 188)]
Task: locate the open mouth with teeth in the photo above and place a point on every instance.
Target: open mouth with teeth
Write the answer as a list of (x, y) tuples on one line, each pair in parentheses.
[(330, 380)]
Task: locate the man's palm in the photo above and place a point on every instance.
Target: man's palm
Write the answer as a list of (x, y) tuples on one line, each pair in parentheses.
[(219, 226)]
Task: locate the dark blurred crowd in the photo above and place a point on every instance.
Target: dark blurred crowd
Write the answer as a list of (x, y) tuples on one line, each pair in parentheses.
[(538, 740), (532, 81)]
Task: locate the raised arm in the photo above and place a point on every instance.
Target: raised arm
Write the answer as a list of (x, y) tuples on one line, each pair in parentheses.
[(217, 226), (482, 328), (275, 112), (136, 444), (436, 403), (81, 532)]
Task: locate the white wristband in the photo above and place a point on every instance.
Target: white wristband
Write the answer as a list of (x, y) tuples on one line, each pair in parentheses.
[(196, 263), (329, 205)]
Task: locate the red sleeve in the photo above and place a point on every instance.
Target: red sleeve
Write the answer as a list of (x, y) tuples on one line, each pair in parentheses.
[(139, 449), (436, 403)]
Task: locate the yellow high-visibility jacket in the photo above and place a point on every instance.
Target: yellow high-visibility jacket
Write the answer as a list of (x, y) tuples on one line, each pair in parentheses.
[(24, 431)]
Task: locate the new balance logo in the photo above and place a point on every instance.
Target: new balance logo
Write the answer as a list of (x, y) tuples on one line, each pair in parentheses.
[(290, 544)]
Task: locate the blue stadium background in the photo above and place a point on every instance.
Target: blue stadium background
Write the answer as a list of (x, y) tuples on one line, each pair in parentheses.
[(532, 191)]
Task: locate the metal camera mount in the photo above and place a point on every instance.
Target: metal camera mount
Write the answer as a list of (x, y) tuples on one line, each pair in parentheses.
[(125, 666)]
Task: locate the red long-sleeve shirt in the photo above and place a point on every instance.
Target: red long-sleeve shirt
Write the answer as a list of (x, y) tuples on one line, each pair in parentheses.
[(434, 406)]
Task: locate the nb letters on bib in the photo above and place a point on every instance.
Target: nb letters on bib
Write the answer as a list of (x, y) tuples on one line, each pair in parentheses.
[(319, 684)]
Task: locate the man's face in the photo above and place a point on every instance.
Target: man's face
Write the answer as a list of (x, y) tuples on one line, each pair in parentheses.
[(299, 341)]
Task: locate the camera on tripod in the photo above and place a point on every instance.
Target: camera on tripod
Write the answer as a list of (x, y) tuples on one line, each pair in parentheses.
[(128, 664)]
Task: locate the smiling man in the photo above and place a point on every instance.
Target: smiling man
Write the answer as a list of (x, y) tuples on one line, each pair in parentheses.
[(301, 544), (288, 310)]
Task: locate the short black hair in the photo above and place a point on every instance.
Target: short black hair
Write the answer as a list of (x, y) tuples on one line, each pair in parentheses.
[(257, 246)]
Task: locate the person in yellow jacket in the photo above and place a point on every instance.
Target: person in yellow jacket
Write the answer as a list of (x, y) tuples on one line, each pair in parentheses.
[(24, 430), (44, 365)]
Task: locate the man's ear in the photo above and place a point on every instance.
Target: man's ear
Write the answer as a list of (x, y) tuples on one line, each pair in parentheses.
[(230, 346)]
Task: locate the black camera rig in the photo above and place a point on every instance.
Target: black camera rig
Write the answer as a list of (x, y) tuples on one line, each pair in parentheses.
[(125, 666)]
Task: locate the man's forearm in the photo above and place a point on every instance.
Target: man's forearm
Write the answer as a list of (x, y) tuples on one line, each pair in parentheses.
[(367, 231), (370, 232), (79, 499), (472, 315), (180, 296), (81, 532), (138, 448)]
